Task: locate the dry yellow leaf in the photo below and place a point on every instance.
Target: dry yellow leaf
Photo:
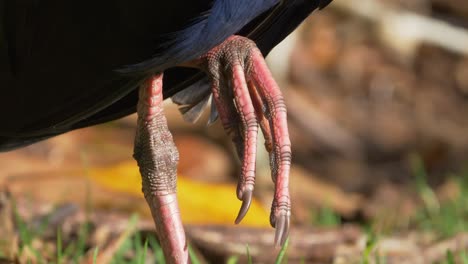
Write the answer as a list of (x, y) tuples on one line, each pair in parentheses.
[(200, 203)]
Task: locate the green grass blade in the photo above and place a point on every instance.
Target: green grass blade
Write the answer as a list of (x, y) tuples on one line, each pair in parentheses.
[(426, 193), (145, 252), (325, 216), (129, 242), (371, 244), (232, 260), (95, 254), (450, 258), (25, 234), (158, 253), (249, 257), (81, 243), (193, 256), (463, 257), (136, 245), (282, 253)]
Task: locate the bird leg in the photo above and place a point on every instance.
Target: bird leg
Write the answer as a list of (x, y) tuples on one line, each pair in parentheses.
[(157, 158), (238, 70)]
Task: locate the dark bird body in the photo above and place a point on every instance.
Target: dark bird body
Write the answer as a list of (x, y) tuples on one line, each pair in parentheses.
[(62, 62), (70, 64)]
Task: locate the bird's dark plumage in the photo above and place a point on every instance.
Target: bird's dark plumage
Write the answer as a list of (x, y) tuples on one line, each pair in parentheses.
[(71, 64)]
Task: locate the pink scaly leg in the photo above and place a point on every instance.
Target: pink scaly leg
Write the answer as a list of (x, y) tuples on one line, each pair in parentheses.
[(157, 157), (238, 70)]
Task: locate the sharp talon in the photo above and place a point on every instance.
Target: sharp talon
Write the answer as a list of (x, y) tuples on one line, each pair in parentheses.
[(246, 201), (279, 230), (282, 230)]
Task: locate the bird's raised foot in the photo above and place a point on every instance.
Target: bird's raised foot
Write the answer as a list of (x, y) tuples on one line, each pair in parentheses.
[(238, 71)]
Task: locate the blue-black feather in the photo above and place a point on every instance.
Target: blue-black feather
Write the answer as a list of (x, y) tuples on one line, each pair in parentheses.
[(225, 18)]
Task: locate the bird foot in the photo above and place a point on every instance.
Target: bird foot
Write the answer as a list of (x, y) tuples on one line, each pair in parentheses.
[(238, 70)]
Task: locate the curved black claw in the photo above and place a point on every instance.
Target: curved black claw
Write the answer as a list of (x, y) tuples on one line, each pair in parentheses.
[(282, 229), (246, 201)]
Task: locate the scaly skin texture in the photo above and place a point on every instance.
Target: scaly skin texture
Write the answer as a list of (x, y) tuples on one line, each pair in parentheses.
[(157, 158), (246, 96)]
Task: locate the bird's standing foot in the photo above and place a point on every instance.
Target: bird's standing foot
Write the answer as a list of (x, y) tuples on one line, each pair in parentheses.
[(157, 157), (238, 70)]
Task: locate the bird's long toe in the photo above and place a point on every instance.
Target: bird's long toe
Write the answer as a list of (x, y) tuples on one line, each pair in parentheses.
[(227, 68), (276, 129)]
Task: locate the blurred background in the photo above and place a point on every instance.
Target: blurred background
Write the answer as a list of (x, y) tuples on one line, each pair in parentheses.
[(377, 96)]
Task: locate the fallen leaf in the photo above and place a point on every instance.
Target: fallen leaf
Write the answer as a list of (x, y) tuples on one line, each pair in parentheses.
[(200, 203)]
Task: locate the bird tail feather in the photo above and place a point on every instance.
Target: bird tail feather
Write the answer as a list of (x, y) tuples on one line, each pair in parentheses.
[(193, 101)]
